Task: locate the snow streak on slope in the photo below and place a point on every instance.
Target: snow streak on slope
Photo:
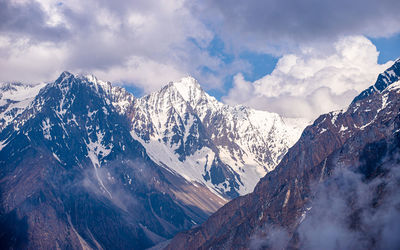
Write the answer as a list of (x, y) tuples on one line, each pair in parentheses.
[(188, 131), (228, 149), (96, 151), (14, 98)]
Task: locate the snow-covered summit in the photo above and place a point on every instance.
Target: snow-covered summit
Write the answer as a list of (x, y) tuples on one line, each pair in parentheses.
[(227, 148), (190, 90), (119, 97), (185, 130), (67, 79)]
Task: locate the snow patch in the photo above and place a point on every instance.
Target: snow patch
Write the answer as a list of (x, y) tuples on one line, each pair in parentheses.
[(343, 128), (286, 198), (97, 151), (3, 144), (335, 115), (46, 128), (58, 159)]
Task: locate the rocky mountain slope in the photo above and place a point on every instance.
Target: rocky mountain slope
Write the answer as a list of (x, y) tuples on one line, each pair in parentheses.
[(336, 188), (85, 164), (72, 176), (226, 148)]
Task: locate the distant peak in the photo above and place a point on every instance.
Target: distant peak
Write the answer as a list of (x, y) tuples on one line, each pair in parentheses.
[(66, 78), (189, 88), (64, 74), (187, 82), (385, 79), (190, 79), (63, 78), (90, 77)]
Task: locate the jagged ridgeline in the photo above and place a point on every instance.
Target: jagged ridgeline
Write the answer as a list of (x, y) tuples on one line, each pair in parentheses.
[(336, 188), (85, 164)]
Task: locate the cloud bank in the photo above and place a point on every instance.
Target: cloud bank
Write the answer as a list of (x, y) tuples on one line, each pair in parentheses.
[(312, 81), (144, 42), (274, 26), (149, 43)]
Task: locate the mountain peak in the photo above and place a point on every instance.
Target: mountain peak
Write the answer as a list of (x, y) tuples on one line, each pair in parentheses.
[(388, 77), (189, 88), (190, 81), (66, 79), (186, 82), (64, 75), (93, 79)]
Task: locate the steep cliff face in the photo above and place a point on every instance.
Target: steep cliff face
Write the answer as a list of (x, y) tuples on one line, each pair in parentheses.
[(73, 177), (228, 149), (336, 188)]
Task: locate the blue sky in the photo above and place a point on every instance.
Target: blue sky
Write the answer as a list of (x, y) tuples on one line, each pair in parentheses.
[(264, 54), (389, 47), (262, 64)]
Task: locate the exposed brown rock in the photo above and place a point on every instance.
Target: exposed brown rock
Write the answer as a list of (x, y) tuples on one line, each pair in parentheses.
[(335, 140)]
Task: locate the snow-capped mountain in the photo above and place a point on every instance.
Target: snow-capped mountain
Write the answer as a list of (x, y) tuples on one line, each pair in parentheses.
[(80, 158), (72, 176), (336, 188), (190, 133), (226, 148)]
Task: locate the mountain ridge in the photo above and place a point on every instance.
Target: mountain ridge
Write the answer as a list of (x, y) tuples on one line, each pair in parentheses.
[(73, 167), (199, 115), (182, 118), (73, 177), (343, 153)]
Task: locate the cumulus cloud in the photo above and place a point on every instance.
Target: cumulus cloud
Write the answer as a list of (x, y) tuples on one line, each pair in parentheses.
[(146, 43), (312, 81), (22, 61), (276, 25)]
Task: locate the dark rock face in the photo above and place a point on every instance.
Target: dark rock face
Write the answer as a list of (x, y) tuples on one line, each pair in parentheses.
[(336, 188), (391, 75), (72, 176)]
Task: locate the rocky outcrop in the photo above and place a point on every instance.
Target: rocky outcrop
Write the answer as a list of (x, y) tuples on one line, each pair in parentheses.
[(337, 158)]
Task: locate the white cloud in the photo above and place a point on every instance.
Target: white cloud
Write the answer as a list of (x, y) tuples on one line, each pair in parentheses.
[(279, 26), (150, 42), (144, 73), (313, 81), (146, 43), (30, 63)]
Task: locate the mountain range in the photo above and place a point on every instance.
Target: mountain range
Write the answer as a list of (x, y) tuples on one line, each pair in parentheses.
[(336, 188), (85, 164)]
